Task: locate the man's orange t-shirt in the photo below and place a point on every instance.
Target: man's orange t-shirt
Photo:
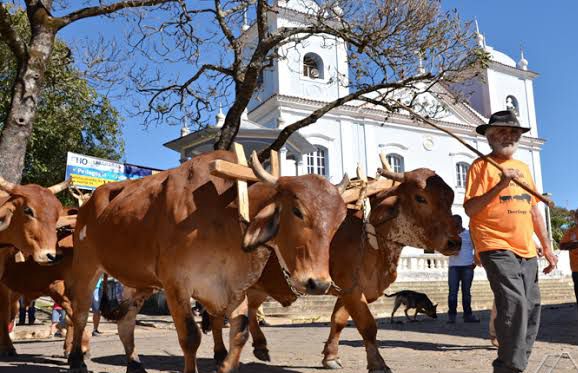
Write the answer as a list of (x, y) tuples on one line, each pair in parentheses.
[(506, 222), (572, 235)]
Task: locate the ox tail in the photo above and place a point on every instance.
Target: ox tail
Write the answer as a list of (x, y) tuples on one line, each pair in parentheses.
[(392, 295), (206, 322), (110, 308)]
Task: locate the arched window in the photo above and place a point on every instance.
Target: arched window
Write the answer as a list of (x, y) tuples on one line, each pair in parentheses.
[(461, 174), (396, 162), (512, 104), (317, 161), (312, 66)]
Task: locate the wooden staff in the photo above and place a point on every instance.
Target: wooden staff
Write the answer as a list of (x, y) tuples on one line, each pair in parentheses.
[(521, 183)]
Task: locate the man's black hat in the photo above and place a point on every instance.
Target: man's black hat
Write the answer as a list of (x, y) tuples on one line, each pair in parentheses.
[(504, 118)]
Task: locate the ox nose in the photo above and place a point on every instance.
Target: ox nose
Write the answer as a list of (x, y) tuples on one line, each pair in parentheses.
[(317, 287), (47, 256)]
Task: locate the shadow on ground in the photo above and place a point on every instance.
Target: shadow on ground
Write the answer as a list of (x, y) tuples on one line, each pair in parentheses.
[(175, 363), (39, 363), (558, 325)]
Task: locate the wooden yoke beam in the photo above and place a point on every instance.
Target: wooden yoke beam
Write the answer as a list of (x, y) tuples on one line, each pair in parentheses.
[(242, 189)]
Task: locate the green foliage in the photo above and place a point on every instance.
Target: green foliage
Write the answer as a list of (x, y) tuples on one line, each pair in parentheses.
[(71, 115), (561, 220)]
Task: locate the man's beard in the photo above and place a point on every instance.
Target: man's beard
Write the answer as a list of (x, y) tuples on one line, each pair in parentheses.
[(504, 151)]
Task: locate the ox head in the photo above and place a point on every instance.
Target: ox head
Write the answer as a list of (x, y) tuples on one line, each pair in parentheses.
[(299, 221), (417, 212), (28, 218)]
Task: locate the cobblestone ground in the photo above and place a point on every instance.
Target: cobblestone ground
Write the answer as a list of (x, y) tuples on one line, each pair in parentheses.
[(425, 346)]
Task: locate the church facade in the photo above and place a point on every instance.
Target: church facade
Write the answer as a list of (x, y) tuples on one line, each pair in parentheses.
[(312, 74)]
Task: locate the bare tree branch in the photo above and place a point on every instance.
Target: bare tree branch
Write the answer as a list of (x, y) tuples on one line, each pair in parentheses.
[(315, 115), (105, 9)]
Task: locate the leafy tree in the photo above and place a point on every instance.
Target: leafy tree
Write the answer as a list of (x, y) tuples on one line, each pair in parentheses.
[(71, 116), (561, 220)]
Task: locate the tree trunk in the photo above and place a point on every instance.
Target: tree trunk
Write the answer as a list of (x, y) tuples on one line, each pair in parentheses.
[(25, 95)]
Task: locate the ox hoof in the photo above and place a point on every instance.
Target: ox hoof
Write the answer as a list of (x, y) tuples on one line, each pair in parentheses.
[(219, 356), (332, 364), (383, 370), (135, 367), (8, 352), (262, 354), (83, 369)]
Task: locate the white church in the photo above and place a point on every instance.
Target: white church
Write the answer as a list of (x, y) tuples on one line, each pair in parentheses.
[(353, 134)]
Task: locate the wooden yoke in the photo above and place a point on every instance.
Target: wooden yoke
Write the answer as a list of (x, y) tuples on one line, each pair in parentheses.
[(240, 173), (242, 188)]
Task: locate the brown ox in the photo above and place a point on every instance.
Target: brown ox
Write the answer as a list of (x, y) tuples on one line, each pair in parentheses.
[(28, 218), (32, 280), (416, 212), (179, 230)]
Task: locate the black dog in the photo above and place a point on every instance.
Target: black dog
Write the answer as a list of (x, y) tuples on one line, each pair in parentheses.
[(412, 299)]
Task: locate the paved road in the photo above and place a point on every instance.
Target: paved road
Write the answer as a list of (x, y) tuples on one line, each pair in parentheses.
[(424, 347)]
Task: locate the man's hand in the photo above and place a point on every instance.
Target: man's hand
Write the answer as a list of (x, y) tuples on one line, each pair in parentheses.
[(551, 258), (508, 175)]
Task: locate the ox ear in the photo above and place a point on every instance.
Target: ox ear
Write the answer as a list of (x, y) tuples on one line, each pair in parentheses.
[(385, 210), (262, 228), (5, 218)]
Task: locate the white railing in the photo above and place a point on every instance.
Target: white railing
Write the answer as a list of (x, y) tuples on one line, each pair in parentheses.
[(434, 267)]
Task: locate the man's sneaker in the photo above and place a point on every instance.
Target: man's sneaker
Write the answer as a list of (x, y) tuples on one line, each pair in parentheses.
[(471, 318), (451, 319), (58, 334), (96, 333)]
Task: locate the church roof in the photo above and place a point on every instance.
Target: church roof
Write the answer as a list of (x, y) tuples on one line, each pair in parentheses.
[(248, 132), (500, 57)]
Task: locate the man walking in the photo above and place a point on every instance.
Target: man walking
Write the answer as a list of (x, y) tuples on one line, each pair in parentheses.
[(461, 270), (570, 242), (503, 219)]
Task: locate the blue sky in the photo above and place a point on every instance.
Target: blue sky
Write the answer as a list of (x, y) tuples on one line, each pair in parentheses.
[(548, 35)]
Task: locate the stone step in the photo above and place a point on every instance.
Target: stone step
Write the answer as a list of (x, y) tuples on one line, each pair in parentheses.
[(553, 291)]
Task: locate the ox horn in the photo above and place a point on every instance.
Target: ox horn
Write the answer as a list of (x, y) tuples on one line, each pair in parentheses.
[(57, 188), (260, 171), (343, 184), (387, 172), (6, 186), (395, 176)]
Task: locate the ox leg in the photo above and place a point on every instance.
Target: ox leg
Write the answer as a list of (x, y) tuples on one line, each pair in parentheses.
[(189, 334), (339, 319), (57, 293), (357, 306), (219, 349), (126, 325), (6, 312), (238, 336), (84, 283), (259, 340)]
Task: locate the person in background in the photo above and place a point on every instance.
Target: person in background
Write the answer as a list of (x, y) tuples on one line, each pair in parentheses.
[(570, 242), (26, 308), (96, 299), (58, 320), (461, 270)]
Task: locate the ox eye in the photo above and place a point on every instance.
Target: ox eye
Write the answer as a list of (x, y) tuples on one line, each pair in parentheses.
[(297, 213), (420, 199), (28, 211)]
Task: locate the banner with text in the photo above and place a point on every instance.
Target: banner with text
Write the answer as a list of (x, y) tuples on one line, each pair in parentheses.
[(90, 172)]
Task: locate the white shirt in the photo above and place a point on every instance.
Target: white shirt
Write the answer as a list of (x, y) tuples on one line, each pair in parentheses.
[(466, 255)]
